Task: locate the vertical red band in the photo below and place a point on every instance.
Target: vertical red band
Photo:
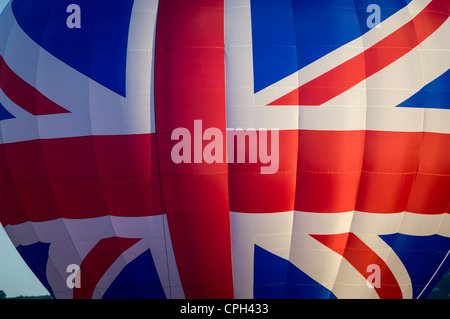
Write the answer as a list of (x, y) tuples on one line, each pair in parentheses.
[(189, 86)]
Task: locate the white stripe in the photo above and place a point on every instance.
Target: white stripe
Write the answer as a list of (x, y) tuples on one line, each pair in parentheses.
[(94, 108), (407, 223), (373, 223)]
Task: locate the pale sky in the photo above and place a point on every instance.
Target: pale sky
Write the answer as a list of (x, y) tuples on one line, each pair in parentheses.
[(15, 277)]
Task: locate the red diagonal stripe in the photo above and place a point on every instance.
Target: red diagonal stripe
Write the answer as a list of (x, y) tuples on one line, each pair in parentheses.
[(25, 95), (369, 62), (98, 261), (360, 256)]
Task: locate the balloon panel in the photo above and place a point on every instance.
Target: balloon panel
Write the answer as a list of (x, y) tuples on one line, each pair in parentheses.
[(215, 149)]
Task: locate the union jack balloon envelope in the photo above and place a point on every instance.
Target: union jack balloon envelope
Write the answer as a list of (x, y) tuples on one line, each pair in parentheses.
[(116, 120)]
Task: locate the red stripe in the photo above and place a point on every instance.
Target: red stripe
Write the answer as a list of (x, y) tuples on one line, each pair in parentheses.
[(430, 193), (372, 60), (329, 169), (80, 177), (360, 256), (190, 85), (98, 261), (319, 171), (25, 95), (253, 192), (389, 168), (338, 171), (128, 170)]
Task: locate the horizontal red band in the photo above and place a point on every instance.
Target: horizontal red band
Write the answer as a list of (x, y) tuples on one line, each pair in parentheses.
[(81, 177), (338, 171), (319, 171)]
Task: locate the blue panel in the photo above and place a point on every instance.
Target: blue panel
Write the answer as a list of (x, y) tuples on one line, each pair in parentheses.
[(277, 278), (4, 114), (274, 43), (435, 94), (138, 280), (290, 34), (98, 49), (269, 275), (421, 256), (36, 257)]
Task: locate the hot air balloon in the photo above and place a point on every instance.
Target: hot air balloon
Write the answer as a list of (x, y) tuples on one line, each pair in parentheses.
[(227, 149)]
